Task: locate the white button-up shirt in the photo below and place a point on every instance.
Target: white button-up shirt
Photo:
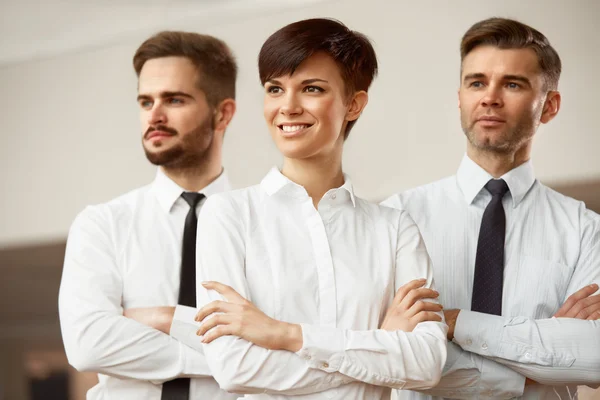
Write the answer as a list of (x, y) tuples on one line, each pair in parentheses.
[(125, 254), (552, 249), (335, 271)]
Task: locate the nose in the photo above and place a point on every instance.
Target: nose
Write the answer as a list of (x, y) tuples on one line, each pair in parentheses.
[(290, 105), (492, 97), (157, 115)]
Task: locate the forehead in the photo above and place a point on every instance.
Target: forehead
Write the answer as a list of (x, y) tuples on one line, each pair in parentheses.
[(168, 74), (491, 60)]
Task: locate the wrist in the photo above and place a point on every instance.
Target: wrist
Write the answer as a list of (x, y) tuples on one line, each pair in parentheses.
[(292, 337), (164, 319), (451, 316)]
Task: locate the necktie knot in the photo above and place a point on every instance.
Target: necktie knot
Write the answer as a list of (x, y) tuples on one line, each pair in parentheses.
[(192, 198), (497, 187)]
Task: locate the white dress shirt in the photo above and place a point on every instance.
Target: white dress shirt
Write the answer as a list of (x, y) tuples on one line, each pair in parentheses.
[(124, 254), (334, 271), (552, 249)]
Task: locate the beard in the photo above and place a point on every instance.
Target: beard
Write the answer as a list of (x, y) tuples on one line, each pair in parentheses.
[(191, 150), (505, 141)]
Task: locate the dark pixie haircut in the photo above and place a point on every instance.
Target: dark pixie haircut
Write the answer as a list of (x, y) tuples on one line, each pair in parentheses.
[(286, 49), (510, 34), (211, 56)]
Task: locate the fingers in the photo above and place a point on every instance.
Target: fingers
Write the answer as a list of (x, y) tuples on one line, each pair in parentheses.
[(407, 287), (217, 332), (417, 294), (213, 307), (587, 307), (424, 316), (566, 309), (209, 323), (420, 306), (594, 316), (226, 291)]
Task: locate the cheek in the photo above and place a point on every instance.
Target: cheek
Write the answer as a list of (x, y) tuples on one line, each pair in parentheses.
[(269, 110), (329, 111)]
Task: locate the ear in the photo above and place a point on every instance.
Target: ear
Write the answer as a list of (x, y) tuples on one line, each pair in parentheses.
[(223, 114), (551, 106), (358, 102), (458, 97)]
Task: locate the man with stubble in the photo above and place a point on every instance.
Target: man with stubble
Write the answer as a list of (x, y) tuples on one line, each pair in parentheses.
[(516, 263), (130, 263)]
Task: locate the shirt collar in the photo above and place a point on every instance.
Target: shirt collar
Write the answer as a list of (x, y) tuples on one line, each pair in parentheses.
[(472, 179), (275, 182), (167, 192)]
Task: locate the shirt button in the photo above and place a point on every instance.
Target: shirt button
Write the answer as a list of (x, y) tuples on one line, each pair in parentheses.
[(333, 196), (325, 365), (469, 342), (484, 346), (528, 355)]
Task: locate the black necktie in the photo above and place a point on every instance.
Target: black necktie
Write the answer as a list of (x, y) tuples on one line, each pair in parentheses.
[(489, 260), (179, 389)]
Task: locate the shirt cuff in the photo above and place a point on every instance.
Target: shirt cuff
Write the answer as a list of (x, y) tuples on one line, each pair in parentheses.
[(479, 333), (322, 347), (515, 339), (183, 324)]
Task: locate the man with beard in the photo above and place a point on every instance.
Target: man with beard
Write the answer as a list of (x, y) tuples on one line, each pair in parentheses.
[(509, 253), (130, 263)]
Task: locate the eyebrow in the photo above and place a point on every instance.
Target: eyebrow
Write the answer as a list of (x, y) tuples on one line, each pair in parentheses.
[(519, 78), (479, 75), (304, 82), (165, 95)]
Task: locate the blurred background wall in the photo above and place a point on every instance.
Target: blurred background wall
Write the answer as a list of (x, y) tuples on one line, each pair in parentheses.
[(71, 137)]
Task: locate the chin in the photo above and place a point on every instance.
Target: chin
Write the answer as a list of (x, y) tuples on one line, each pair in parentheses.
[(295, 151)]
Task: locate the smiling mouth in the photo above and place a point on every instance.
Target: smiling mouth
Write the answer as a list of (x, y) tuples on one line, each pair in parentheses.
[(291, 131), (293, 128)]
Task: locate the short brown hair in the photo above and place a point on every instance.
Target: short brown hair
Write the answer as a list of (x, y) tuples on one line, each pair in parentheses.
[(510, 34), (211, 56), (286, 49)]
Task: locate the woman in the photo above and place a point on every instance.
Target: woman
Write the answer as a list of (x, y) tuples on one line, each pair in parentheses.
[(308, 270)]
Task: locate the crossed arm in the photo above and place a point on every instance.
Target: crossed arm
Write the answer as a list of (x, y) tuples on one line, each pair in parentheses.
[(253, 362), (96, 335)]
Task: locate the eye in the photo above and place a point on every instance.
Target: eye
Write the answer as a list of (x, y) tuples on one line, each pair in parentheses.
[(274, 89), (313, 89), (476, 84), (145, 104), (175, 100), (513, 85)]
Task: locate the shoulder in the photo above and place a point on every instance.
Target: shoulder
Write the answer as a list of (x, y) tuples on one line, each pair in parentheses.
[(397, 218), (421, 195), (235, 203), (121, 208)]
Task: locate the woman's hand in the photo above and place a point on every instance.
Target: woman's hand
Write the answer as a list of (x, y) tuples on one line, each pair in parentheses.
[(239, 317), (408, 309)]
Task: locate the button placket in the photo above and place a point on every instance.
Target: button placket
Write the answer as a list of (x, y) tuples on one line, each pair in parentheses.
[(324, 261)]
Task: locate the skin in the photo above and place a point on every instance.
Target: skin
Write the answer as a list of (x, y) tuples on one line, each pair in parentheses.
[(307, 114), (502, 101), (183, 135)]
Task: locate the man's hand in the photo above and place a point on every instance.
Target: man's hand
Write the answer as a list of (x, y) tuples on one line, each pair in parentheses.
[(450, 316), (159, 318), (408, 309), (239, 317), (581, 304)]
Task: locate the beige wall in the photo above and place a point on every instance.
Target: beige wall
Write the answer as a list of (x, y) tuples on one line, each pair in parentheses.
[(70, 126)]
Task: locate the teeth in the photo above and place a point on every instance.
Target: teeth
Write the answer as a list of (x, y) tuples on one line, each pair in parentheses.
[(293, 128)]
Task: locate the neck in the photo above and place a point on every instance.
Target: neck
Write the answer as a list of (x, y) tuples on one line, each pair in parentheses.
[(316, 175), (497, 163), (196, 178)]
